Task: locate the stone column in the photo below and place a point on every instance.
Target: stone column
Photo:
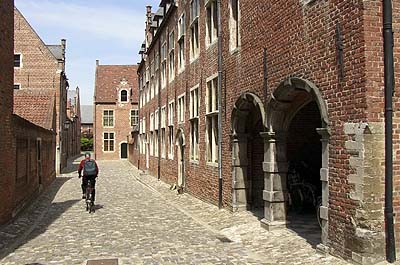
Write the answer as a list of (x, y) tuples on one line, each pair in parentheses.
[(240, 183), (324, 177), (275, 172)]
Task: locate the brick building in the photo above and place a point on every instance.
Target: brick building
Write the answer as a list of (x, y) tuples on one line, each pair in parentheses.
[(41, 66), (87, 121), (27, 145), (300, 87), (7, 142), (115, 110), (74, 123)]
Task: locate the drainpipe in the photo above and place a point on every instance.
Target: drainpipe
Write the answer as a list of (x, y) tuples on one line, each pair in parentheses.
[(389, 84), (159, 109), (139, 140), (219, 104)]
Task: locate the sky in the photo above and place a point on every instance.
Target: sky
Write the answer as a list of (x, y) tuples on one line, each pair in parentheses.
[(109, 30)]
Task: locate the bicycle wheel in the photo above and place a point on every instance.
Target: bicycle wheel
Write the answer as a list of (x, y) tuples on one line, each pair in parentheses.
[(297, 200)]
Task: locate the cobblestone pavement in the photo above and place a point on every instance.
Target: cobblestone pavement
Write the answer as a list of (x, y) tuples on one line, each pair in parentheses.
[(139, 220)]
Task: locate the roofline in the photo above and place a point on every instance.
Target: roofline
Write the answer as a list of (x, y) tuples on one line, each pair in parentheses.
[(162, 25), (27, 21)]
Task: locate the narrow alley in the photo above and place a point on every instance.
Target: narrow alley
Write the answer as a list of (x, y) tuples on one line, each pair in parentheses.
[(139, 220)]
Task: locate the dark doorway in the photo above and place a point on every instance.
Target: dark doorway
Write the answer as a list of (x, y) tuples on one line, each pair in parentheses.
[(304, 155), (124, 150), (248, 155)]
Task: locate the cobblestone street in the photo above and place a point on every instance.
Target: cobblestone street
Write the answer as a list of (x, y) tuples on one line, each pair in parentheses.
[(139, 220)]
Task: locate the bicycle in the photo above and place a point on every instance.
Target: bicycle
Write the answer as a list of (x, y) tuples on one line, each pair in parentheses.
[(89, 197)]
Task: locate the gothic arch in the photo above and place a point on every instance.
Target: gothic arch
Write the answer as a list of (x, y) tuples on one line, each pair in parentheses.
[(286, 101)]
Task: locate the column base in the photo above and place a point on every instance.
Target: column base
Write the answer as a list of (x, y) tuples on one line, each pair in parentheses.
[(275, 225), (322, 249)]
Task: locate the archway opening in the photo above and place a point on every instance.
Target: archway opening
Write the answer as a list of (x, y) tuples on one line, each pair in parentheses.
[(297, 158), (180, 143), (304, 156), (248, 155)]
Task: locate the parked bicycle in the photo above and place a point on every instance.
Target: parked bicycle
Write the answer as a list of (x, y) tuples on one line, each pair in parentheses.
[(89, 197), (302, 194)]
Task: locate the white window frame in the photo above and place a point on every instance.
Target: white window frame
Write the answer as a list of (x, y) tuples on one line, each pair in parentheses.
[(134, 117), (211, 22), (181, 109), (171, 56), (212, 120), (171, 114), (113, 118), (127, 96), (181, 43), (234, 26), (194, 41), (19, 86), (194, 123), (109, 141)]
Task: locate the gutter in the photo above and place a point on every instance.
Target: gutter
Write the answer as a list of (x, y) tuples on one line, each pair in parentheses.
[(389, 84), (219, 105)]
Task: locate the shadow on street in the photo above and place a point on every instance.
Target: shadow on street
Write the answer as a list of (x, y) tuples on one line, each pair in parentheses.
[(35, 218), (306, 226)]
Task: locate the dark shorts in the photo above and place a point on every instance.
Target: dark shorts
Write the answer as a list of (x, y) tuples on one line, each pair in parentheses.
[(92, 180)]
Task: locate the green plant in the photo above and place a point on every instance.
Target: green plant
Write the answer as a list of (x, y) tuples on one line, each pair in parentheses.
[(86, 144)]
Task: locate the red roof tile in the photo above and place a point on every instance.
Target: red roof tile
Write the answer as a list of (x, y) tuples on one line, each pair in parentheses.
[(109, 77), (36, 106)]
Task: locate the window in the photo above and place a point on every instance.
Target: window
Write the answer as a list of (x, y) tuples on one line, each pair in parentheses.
[(163, 125), (211, 22), (134, 117), (108, 145), (181, 109), (212, 120), (108, 118), (171, 111), (152, 122), (181, 43), (164, 65), (17, 86), (124, 96), (156, 119), (151, 143), (194, 29), (18, 60), (156, 143), (194, 124), (234, 23), (171, 67)]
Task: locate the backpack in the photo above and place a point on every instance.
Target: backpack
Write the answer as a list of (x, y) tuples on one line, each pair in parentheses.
[(89, 168)]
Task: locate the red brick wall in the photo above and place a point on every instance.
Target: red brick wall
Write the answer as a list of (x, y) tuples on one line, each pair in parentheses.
[(7, 143), (41, 70), (300, 41), (122, 128), (29, 171)]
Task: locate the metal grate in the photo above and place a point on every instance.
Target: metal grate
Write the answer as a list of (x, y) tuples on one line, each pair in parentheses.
[(103, 262)]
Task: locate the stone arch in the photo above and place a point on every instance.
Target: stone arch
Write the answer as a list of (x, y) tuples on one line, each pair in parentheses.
[(245, 98), (248, 121), (286, 101)]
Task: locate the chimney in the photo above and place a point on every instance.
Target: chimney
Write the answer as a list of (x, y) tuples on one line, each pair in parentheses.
[(64, 46), (97, 62), (148, 15)]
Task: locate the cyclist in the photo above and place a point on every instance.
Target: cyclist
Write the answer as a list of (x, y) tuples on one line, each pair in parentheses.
[(90, 171)]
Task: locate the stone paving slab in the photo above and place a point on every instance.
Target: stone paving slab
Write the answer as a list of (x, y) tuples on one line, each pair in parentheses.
[(139, 220)]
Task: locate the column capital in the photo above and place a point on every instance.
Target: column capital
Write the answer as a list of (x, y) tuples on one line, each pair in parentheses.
[(324, 132)]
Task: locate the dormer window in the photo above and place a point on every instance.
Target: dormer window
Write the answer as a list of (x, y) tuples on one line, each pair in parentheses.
[(124, 96)]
